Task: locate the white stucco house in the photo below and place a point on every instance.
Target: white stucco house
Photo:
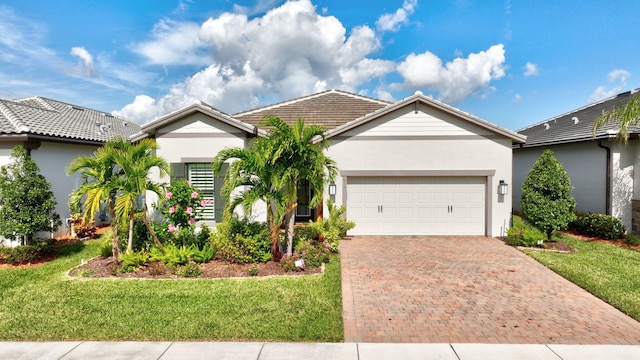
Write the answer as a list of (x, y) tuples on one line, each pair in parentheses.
[(602, 170), (54, 133), (413, 167)]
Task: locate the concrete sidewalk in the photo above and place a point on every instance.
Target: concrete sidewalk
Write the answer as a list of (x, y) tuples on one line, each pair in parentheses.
[(295, 351)]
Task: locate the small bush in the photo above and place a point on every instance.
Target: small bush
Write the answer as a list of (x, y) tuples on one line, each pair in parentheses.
[(288, 263), (172, 255), (331, 230), (27, 253), (632, 239), (106, 247), (253, 271), (242, 241), (203, 255), (190, 270), (598, 225), (528, 236), (81, 228), (133, 260), (314, 253)]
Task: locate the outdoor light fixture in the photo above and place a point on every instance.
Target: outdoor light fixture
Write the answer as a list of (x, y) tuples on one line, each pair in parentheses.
[(332, 189), (503, 188)]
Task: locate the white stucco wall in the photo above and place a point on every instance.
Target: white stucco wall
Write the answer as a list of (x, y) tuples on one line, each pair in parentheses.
[(429, 141), (53, 160)]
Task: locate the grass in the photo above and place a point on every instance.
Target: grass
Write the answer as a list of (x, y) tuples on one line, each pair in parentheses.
[(43, 304), (607, 271)]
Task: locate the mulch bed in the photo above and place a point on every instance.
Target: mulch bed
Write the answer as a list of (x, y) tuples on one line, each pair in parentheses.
[(107, 267)]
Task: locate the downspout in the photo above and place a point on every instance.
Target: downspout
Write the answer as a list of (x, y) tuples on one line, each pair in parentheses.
[(608, 181)]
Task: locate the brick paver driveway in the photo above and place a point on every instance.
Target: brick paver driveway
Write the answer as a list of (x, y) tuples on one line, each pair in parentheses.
[(467, 290)]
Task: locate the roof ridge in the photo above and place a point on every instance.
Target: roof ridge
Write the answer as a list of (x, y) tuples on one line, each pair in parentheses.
[(13, 119), (38, 99), (630, 92), (307, 97)]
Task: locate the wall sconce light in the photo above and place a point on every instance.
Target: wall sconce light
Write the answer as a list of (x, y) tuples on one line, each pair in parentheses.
[(503, 188), (332, 189)]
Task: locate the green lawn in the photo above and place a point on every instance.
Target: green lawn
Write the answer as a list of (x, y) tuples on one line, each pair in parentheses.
[(609, 272), (44, 304)]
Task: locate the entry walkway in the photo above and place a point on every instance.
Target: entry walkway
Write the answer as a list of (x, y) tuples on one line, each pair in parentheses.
[(296, 351), (403, 289)]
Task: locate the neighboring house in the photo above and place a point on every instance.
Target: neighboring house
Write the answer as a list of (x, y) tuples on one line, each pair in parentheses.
[(54, 133), (413, 167), (602, 170)]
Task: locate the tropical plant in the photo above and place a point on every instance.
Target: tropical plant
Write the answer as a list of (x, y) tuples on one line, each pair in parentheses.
[(299, 150), (546, 195), (626, 117), (253, 171), (136, 161), (27, 202), (98, 187)]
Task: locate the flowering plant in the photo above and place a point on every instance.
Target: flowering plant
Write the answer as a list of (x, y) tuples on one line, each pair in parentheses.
[(182, 205)]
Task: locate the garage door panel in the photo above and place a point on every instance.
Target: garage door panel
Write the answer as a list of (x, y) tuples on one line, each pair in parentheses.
[(417, 205)]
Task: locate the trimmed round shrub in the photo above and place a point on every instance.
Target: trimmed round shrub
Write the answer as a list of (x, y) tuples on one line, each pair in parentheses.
[(604, 226)]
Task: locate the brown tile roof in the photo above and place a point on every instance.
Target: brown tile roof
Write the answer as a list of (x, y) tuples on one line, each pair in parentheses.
[(330, 108)]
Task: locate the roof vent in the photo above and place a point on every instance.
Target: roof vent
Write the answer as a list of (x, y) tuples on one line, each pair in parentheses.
[(124, 123), (575, 120), (107, 115), (546, 126), (77, 108)]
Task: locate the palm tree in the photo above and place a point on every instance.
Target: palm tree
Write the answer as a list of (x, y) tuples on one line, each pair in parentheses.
[(626, 116), (251, 169), (135, 162), (300, 152), (99, 175)]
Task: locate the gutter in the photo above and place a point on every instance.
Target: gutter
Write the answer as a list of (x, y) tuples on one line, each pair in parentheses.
[(608, 181)]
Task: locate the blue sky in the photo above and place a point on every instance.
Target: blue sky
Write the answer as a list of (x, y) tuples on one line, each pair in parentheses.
[(513, 63)]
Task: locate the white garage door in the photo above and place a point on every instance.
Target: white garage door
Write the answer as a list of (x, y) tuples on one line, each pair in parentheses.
[(416, 205)]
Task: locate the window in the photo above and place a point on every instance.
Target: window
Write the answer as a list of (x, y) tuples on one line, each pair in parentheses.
[(201, 177)]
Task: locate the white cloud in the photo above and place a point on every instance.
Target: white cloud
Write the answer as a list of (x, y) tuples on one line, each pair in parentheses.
[(392, 22), (517, 98), (173, 43), (266, 57), (530, 69), (86, 67), (603, 92), (457, 79), (618, 74)]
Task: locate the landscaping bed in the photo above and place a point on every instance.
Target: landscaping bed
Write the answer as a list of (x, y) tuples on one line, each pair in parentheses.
[(101, 267)]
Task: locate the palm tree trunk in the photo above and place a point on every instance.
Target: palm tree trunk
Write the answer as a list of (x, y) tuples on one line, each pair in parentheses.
[(115, 244), (290, 222), (274, 233), (130, 242)]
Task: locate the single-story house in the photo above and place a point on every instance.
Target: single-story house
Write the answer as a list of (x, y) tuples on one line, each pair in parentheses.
[(54, 133), (412, 167), (602, 170)]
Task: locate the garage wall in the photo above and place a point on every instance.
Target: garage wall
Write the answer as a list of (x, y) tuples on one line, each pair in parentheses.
[(448, 146)]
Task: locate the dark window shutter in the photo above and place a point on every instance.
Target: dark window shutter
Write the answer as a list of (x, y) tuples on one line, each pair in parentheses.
[(219, 202), (178, 171)]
